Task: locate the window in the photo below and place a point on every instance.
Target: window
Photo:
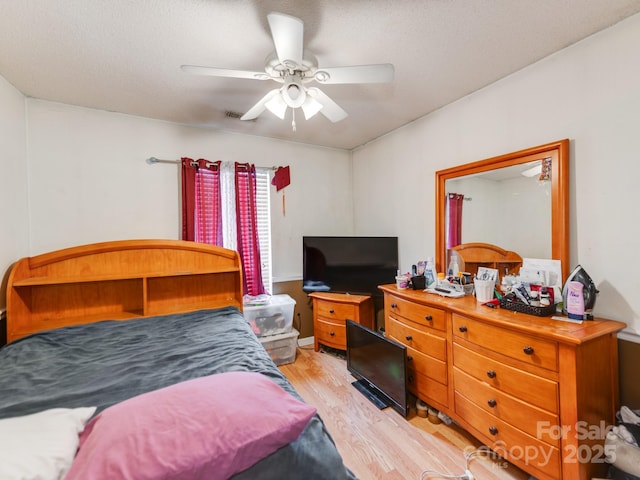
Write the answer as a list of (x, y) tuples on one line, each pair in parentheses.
[(264, 224), (209, 211)]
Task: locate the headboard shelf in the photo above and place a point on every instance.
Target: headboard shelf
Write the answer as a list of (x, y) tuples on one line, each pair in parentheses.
[(119, 281), (56, 280), (471, 256)]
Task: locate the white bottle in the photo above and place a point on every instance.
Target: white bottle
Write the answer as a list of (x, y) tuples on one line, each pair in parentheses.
[(430, 273), (454, 270)]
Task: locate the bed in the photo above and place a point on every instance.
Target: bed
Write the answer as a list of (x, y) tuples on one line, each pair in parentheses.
[(141, 348)]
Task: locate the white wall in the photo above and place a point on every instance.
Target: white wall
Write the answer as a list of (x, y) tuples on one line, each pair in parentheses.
[(89, 180), (521, 227), (589, 93), (14, 213)]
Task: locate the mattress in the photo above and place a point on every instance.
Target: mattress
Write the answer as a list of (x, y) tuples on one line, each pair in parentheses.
[(107, 362)]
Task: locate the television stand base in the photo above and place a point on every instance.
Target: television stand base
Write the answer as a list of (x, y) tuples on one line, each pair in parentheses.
[(363, 387)]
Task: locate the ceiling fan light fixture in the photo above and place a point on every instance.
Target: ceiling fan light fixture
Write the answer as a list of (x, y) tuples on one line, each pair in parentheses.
[(292, 66), (294, 93), (310, 107), (277, 106)]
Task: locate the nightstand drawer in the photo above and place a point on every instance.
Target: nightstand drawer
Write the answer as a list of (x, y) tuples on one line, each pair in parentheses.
[(337, 311), (525, 348), (330, 333), (330, 313)]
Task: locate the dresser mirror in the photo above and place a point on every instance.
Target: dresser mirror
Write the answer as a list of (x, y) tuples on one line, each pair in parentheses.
[(518, 201)]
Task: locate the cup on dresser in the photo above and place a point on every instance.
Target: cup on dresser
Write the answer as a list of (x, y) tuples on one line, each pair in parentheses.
[(484, 290), (402, 282)]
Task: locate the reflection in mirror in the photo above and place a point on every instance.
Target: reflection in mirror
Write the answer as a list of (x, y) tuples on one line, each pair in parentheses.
[(518, 197), (517, 201)]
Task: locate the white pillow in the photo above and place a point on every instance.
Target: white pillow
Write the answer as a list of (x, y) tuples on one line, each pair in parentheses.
[(41, 446)]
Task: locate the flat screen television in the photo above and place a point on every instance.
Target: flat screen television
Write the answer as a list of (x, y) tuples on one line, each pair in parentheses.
[(380, 367), (355, 265)]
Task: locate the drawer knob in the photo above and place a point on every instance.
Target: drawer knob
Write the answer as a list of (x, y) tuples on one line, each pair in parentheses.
[(462, 328), (409, 338), (394, 305), (332, 311), (332, 333), (491, 373), (528, 350), (492, 403), (409, 358), (428, 318), (493, 430)]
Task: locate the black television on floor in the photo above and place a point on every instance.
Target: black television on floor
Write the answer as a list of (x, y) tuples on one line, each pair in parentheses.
[(380, 367), (348, 264)]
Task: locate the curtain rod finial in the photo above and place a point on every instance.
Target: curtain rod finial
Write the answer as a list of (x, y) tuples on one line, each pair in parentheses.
[(152, 160)]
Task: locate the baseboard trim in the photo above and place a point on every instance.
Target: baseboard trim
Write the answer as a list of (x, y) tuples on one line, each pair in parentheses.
[(629, 336), (303, 342)]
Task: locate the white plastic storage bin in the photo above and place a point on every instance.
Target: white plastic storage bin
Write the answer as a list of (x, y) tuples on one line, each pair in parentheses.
[(273, 318), (281, 348)]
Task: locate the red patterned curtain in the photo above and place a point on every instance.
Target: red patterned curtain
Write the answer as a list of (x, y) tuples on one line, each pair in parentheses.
[(454, 219), (247, 225), (201, 201)]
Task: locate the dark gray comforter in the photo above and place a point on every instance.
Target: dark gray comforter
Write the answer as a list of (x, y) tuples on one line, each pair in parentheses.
[(106, 362)]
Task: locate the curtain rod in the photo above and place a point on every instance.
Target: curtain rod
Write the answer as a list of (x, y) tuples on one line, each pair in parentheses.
[(465, 198), (152, 160)]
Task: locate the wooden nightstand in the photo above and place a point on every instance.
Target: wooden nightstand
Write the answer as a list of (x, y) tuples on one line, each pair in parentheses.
[(330, 312)]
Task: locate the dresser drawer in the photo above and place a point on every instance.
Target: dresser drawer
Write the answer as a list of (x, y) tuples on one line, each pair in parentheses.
[(525, 348), (331, 334), (420, 314), (530, 419), (427, 389), (510, 442), (531, 388), (429, 366), (337, 311), (428, 343)]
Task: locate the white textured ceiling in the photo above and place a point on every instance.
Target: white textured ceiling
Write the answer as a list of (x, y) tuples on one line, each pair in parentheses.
[(125, 55)]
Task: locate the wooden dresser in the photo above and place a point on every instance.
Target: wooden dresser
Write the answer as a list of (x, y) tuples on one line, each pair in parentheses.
[(330, 312), (537, 391)]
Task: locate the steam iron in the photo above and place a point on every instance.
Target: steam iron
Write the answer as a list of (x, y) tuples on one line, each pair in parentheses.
[(589, 292)]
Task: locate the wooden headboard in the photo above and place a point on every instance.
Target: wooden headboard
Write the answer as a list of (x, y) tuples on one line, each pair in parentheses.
[(119, 280), (474, 255)]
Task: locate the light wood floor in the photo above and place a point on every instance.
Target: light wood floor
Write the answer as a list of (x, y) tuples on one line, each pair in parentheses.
[(381, 444)]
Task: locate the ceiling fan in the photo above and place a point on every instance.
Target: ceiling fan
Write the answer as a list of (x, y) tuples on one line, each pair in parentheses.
[(295, 67)]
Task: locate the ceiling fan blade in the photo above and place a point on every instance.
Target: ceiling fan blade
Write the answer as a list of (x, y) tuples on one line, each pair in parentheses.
[(380, 73), (259, 107), (223, 72), (330, 109), (288, 37)]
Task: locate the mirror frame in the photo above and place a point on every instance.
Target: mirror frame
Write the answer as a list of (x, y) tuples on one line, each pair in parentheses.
[(559, 153)]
